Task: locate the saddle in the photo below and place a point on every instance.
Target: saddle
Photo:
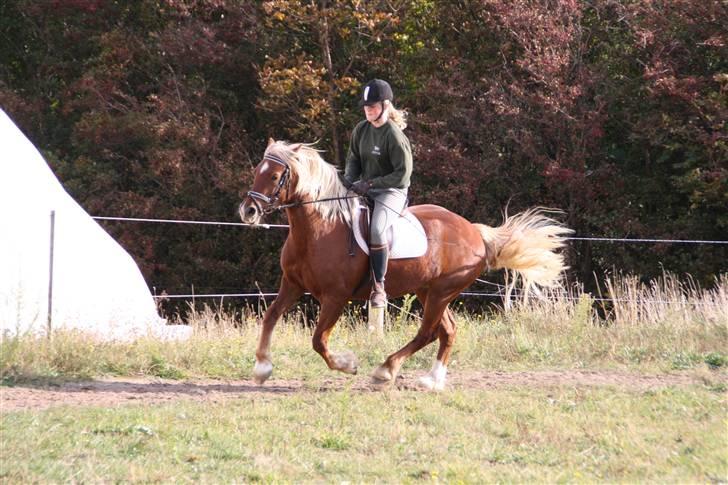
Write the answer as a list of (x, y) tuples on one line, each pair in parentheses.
[(406, 237)]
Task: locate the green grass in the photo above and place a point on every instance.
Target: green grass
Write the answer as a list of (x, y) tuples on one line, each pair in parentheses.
[(542, 336), (504, 435)]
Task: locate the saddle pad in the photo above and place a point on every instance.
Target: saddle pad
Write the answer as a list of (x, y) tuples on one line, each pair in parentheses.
[(406, 237)]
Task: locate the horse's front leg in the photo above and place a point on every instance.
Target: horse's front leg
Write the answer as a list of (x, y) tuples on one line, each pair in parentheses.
[(328, 316), (288, 294)]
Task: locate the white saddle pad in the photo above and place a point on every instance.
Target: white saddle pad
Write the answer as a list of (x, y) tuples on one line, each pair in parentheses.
[(406, 237)]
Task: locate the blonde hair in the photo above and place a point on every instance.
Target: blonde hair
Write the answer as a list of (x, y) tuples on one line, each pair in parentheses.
[(398, 116)]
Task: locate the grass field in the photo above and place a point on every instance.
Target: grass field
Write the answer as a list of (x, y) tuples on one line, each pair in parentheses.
[(542, 432), (514, 435)]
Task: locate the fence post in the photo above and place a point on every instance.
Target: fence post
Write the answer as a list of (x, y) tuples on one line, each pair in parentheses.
[(50, 273)]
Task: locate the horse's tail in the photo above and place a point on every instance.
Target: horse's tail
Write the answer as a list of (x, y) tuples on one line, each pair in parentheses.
[(527, 245)]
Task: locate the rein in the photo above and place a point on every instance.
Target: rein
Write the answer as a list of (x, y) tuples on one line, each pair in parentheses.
[(300, 203)]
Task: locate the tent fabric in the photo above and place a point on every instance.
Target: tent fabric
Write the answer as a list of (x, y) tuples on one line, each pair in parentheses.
[(97, 287)]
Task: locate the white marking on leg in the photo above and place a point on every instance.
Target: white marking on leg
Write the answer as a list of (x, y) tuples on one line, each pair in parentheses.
[(439, 371), (435, 380), (262, 371)]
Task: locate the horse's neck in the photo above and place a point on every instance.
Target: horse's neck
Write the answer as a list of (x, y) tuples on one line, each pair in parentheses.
[(307, 225)]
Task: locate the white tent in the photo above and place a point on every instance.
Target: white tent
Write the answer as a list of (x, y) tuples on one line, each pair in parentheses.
[(96, 286)]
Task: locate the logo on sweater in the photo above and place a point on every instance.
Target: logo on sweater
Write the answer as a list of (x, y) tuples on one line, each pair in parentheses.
[(376, 151)]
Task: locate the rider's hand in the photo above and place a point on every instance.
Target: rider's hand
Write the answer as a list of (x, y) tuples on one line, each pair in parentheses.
[(361, 187), (346, 182)]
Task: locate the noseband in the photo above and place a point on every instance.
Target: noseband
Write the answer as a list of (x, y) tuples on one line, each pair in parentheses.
[(260, 199)]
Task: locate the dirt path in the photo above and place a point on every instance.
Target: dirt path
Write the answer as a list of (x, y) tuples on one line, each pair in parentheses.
[(118, 391)]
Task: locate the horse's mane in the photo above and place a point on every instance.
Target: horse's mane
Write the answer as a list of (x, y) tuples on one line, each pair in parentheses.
[(317, 179)]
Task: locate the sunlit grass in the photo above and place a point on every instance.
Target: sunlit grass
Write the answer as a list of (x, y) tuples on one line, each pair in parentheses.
[(472, 436), (661, 327), (546, 433)]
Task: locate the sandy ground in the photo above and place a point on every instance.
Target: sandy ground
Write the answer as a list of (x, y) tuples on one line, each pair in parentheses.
[(119, 391)]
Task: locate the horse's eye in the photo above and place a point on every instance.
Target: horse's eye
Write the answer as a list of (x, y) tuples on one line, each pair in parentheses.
[(274, 177)]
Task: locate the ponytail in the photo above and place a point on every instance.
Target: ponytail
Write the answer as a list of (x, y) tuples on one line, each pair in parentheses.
[(399, 117)]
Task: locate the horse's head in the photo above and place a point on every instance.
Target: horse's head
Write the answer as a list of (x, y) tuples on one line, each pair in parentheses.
[(295, 175), (272, 184)]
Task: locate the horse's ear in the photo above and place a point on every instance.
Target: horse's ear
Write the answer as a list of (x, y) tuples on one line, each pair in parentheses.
[(271, 141), (295, 147)]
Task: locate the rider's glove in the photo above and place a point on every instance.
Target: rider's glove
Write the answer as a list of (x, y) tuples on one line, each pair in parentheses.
[(361, 187)]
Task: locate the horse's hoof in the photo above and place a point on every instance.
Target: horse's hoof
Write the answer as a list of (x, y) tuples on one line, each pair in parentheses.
[(428, 383), (382, 374), (262, 371), (346, 362)]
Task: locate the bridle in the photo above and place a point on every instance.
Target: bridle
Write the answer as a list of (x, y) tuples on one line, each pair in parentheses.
[(285, 180)]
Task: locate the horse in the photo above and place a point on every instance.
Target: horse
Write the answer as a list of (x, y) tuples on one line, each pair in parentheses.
[(316, 258)]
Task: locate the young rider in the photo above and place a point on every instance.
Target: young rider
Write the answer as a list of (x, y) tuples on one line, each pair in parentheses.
[(379, 165)]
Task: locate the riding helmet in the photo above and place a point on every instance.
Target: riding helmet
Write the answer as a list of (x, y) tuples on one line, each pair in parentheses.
[(376, 91)]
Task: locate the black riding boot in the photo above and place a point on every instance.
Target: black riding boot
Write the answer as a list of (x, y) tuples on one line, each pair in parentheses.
[(378, 256)]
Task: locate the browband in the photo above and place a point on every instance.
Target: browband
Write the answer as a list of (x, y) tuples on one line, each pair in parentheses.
[(274, 158)]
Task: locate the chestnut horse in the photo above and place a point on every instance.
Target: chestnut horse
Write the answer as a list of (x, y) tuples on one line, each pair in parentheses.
[(316, 258)]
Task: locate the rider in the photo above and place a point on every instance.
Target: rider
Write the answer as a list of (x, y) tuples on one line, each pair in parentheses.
[(379, 165)]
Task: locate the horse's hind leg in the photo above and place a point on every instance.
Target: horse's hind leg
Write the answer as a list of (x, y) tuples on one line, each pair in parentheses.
[(428, 332), (435, 380), (328, 315), (288, 294)]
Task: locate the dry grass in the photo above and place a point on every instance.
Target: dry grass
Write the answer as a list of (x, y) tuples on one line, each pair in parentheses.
[(663, 326)]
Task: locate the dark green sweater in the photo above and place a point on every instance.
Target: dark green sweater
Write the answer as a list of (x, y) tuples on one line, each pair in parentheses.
[(381, 156)]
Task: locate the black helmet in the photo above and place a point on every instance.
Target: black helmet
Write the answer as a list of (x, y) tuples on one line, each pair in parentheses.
[(376, 91)]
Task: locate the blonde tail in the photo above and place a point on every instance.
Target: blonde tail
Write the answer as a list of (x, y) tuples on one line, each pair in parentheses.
[(526, 245)]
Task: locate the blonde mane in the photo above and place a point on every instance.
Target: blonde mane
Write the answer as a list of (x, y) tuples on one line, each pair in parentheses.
[(316, 179)]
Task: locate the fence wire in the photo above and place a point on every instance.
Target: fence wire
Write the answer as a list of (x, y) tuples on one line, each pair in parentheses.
[(500, 294), (286, 226)]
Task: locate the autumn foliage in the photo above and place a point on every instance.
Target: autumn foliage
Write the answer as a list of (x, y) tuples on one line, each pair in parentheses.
[(614, 111)]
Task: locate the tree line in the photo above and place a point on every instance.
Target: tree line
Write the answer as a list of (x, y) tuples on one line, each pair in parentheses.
[(615, 111)]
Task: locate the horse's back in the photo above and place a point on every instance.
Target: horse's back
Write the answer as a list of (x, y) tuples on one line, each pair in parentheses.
[(439, 222), (428, 213), (454, 258)]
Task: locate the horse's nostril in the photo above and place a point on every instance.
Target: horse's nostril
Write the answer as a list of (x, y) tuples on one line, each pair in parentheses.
[(250, 211)]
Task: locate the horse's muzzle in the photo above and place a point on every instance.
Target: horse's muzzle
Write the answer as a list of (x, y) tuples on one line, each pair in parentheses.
[(249, 213)]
